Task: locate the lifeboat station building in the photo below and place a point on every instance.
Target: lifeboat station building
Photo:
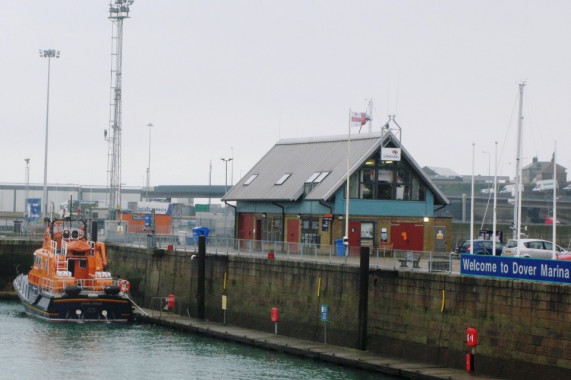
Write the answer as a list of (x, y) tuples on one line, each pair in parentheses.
[(297, 193)]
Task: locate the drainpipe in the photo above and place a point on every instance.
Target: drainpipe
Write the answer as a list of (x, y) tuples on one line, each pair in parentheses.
[(283, 220)]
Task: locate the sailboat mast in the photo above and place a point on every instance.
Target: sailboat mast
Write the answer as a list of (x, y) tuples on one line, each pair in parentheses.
[(519, 186), (554, 226)]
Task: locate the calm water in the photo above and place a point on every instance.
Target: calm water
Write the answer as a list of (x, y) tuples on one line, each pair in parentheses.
[(33, 349)]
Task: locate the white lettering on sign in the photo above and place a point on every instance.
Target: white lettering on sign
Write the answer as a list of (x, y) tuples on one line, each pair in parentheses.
[(479, 267), (390, 154), (556, 272), (528, 270)]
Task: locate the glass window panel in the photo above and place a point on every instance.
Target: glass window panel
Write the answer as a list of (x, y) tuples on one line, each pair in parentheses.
[(249, 180), (283, 178), (320, 177), (313, 177)]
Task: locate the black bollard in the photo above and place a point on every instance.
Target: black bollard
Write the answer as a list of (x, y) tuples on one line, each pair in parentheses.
[(363, 297), (201, 275)]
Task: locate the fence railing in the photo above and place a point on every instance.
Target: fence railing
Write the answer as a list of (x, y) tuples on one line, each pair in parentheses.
[(380, 257)]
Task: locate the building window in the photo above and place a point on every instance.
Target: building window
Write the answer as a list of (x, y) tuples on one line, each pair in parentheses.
[(310, 230), (250, 179), (314, 180), (321, 177), (387, 180), (283, 178), (272, 229)]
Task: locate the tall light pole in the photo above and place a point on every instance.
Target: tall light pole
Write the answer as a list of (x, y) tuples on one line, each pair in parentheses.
[(150, 125), (232, 171), (226, 175), (118, 12), (49, 54), (26, 215)]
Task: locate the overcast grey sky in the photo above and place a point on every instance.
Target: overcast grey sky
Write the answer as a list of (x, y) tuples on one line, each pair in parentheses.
[(230, 78)]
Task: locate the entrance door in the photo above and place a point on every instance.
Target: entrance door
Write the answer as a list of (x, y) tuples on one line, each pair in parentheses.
[(354, 237), (245, 229), (293, 235), (407, 236)]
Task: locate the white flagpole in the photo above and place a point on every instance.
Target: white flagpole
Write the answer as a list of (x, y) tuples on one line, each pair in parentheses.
[(472, 203), (347, 196), (495, 200), (554, 255)]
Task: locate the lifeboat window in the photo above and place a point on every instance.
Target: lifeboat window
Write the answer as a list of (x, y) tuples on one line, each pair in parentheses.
[(74, 234), (83, 263), (66, 234)]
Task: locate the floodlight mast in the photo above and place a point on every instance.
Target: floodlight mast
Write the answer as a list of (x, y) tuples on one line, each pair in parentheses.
[(49, 54), (118, 11)]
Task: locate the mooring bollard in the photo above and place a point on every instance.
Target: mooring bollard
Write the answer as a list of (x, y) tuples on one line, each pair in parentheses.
[(472, 340), (275, 318), (170, 301)]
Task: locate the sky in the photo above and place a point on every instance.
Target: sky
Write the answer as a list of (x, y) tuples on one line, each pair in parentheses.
[(229, 78)]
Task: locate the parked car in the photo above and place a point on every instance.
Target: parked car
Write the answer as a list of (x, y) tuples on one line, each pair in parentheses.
[(481, 247), (537, 248)]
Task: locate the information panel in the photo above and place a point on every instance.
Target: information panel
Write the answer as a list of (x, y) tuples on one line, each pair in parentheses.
[(517, 268)]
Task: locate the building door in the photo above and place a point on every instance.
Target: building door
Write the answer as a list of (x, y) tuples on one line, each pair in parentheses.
[(407, 236), (293, 235), (258, 230), (245, 230), (439, 239), (354, 237), (246, 226)]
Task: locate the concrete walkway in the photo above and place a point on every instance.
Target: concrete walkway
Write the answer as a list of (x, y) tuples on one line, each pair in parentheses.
[(314, 350)]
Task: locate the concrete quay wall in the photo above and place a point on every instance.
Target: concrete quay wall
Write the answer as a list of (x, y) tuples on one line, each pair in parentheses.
[(524, 328)]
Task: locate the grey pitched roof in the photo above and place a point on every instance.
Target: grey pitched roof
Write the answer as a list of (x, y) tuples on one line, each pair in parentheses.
[(304, 156)]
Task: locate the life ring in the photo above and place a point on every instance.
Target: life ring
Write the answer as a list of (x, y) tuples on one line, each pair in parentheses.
[(124, 285)]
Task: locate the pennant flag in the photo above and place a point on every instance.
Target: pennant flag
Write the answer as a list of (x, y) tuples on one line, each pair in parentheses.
[(358, 119)]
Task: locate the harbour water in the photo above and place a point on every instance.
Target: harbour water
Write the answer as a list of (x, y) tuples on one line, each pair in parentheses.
[(32, 349)]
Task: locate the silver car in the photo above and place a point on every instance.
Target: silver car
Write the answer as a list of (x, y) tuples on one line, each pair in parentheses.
[(537, 248)]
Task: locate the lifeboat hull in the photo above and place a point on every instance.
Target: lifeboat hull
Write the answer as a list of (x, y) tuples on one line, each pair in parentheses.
[(82, 306)]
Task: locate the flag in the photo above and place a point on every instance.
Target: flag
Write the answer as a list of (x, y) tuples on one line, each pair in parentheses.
[(358, 119)]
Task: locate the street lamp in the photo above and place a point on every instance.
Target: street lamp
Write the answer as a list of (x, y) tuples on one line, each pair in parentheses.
[(26, 216), (49, 54), (226, 175), (150, 125)]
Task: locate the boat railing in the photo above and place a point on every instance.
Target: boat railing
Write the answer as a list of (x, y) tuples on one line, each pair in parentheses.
[(99, 281), (53, 245), (64, 278), (56, 286)]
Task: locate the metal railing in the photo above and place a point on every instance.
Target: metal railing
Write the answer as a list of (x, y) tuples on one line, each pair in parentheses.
[(380, 257)]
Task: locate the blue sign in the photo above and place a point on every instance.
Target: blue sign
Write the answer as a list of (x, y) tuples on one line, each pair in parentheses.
[(34, 209), (324, 311), (147, 219), (517, 268)]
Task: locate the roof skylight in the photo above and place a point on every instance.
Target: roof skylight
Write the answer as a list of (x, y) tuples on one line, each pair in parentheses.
[(283, 178), (250, 179)]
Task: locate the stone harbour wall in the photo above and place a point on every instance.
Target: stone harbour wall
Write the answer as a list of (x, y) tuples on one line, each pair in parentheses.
[(524, 328)]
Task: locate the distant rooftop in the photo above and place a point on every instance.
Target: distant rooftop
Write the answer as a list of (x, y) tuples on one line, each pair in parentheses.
[(435, 171)]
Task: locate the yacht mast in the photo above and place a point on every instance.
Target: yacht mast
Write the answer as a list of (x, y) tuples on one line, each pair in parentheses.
[(519, 186)]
